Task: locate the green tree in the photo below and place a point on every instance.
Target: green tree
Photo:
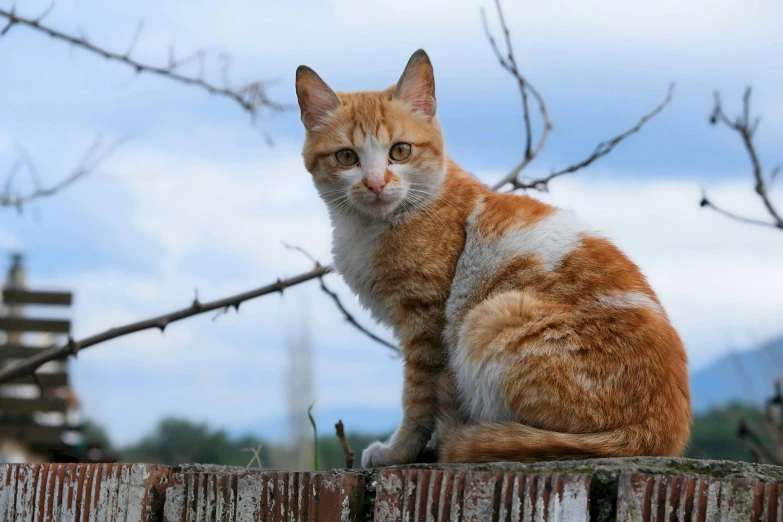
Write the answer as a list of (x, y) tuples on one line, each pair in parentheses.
[(715, 434), (178, 441), (94, 432)]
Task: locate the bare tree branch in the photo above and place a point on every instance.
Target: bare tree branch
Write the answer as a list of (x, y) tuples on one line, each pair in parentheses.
[(706, 202), (250, 98), (347, 451), (348, 316), (509, 63), (352, 320), (94, 155), (253, 96), (601, 150), (72, 347), (746, 128)]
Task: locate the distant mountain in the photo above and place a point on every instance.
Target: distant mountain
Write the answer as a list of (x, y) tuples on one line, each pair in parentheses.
[(746, 377)]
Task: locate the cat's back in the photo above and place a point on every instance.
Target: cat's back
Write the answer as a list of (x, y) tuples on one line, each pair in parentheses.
[(515, 242)]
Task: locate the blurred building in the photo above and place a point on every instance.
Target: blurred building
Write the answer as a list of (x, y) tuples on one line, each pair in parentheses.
[(40, 418)]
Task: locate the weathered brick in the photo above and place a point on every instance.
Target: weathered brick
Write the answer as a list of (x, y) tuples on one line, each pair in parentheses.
[(425, 495), (653, 497), (82, 492), (238, 495), (635, 489)]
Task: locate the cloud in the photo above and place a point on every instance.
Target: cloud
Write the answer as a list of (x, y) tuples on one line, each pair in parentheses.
[(220, 223), (719, 280), (195, 200)]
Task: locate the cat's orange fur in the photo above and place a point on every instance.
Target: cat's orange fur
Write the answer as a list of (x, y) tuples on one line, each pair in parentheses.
[(524, 336)]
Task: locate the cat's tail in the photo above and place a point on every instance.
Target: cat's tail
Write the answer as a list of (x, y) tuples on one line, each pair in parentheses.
[(513, 442)]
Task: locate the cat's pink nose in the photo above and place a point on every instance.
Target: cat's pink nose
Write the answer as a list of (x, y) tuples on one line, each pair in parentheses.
[(376, 188)]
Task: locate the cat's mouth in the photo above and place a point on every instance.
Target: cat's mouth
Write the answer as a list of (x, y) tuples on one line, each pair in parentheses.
[(380, 205)]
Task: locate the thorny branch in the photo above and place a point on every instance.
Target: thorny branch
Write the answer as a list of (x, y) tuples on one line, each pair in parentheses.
[(339, 429), (509, 63), (89, 161), (348, 316), (352, 320), (72, 347), (250, 98), (746, 128)]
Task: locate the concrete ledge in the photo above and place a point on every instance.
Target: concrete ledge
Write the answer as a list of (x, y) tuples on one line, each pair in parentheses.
[(637, 489)]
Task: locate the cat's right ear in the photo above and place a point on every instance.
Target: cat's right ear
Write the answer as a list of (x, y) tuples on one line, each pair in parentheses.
[(316, 99)]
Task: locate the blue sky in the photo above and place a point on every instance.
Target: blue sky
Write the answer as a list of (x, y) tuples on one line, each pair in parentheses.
[(195, 198)]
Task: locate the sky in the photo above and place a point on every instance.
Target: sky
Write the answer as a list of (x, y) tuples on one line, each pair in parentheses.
[(195, 198)]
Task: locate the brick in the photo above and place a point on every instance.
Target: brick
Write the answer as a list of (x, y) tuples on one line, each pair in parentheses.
[(275, 496), (425, 495), (76, 492), (654, 497), (622, 489)]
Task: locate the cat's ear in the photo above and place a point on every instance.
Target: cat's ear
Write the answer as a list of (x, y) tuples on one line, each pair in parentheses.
[(416, 86), (316, 99)]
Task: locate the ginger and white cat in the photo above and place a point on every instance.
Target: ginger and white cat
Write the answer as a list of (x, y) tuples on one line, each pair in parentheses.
[(524, 335)]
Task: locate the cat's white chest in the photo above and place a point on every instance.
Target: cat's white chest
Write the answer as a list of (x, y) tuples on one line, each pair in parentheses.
[(354, 244)]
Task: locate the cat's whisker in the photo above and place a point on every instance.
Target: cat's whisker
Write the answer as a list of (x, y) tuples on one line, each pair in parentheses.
[(435, 196), (428, 211)]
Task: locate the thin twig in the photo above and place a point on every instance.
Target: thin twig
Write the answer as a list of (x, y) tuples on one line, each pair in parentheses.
[(315, 436), (95, 155), (601, 150), (509, 63), (352, 320), (72, 347), (757, 446), (743, 126), (303, 252), (256, 456), (706, 202), (250, 97), (348, 316), (347, 451), (135, 38)]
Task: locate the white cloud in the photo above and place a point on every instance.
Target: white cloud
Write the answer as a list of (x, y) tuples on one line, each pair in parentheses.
[(356, 37), (219, 205), (719, 280)]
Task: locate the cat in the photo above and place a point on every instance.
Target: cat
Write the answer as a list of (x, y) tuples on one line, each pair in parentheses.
[(525, 336)]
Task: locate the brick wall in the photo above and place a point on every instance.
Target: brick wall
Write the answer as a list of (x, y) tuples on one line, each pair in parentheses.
[(607, 489)]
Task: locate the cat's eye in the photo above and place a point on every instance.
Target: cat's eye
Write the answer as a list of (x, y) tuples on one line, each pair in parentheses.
[(400, 151), (346, 157)]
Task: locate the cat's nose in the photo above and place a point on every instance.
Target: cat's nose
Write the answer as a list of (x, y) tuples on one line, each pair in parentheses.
[(377, 187)]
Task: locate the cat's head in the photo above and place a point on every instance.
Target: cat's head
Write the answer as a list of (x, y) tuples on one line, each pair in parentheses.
[(379, 153)]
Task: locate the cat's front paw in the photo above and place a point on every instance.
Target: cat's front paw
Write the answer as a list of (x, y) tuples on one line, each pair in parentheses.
[(379, 454)]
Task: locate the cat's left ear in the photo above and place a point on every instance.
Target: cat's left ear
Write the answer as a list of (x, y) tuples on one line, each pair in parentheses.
[(416, 86)]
